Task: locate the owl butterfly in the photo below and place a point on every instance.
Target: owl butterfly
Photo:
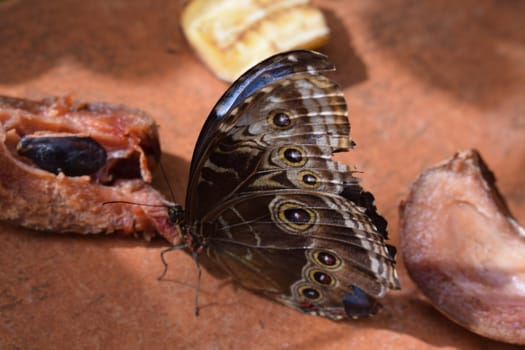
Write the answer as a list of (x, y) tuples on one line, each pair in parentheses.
[(267, 205)]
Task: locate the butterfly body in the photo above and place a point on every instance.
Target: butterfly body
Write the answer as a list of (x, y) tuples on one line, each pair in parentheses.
[(267, 205)]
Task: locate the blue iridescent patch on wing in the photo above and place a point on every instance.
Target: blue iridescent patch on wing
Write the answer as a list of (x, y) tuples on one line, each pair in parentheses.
[(359, 304)]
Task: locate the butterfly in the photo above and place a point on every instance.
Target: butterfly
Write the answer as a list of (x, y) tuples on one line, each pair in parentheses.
[(267, 205)]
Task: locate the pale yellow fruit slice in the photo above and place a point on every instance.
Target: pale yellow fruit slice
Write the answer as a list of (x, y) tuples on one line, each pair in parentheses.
[(230, 36)]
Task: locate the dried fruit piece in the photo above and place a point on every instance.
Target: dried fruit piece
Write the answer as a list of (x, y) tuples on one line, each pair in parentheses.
[(36, 198), (230, 36), (129, 136), (464, 250)]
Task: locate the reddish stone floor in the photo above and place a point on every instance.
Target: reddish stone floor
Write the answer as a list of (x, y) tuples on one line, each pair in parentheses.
[(423, 79)]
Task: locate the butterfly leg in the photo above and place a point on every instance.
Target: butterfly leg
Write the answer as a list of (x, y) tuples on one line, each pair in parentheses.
[(198, 287), (163, 259), (195, 256)]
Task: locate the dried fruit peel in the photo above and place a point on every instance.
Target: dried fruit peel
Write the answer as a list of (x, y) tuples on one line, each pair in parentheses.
[(39, 199), (464, 250), (231, 36)]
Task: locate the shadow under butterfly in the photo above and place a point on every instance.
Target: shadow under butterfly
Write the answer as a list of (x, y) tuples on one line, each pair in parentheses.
[(267, 205)]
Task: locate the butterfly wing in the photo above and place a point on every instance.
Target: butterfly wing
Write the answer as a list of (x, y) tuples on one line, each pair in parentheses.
[(223, 117), (270, 70), (307, 249), (276, 212)]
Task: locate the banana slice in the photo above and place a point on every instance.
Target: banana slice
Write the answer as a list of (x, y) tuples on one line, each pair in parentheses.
[(231, 35)]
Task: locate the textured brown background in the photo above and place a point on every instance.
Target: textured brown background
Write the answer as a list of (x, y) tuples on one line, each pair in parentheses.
[(423, 79)]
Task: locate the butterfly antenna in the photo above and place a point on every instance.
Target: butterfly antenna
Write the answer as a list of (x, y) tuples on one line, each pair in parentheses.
[(163, 259), (134, 203), (198, 287), (170, 189)]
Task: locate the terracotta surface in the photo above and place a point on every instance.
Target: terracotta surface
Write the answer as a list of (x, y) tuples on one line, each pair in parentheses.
[(423, 79)]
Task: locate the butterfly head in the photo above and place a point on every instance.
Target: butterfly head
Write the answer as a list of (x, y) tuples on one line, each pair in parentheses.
[(194, 241), (175, 214), (176, 219)]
